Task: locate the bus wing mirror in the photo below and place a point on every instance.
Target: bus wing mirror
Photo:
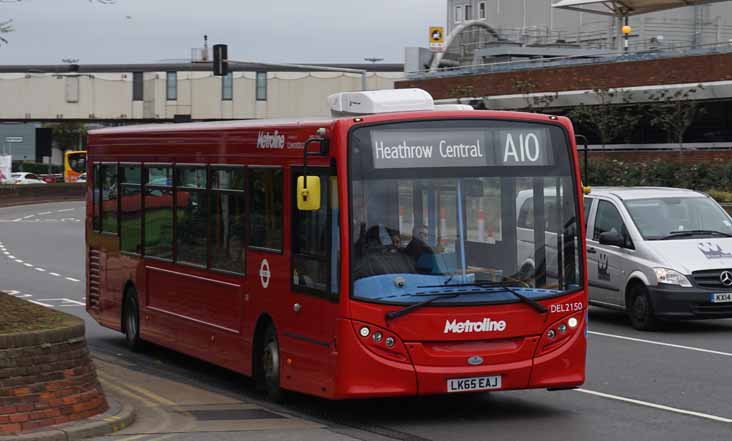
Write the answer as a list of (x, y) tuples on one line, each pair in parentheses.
[(308, 193)]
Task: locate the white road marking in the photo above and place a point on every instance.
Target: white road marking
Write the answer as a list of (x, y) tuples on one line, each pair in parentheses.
[(29, 216), (656, 406), (65, 210), (658, 343), (65, 300), (10, 256), (72, 279), (17, 220), (18, 260), (45, 213), (42, 304), (28, 265), (55, 274), (6, 253), (40, 269)]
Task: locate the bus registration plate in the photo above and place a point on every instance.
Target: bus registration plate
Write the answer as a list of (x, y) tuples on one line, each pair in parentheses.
[(725, 297), (474, 383)]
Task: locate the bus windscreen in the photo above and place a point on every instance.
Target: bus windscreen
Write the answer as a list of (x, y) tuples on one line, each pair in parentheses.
[(461, 202)]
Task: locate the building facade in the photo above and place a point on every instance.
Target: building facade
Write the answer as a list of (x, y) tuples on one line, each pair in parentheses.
[(536, 22), (170, 92)]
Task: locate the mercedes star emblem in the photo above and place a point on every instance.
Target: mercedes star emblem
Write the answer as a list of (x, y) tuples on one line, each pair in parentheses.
[(726, 278)]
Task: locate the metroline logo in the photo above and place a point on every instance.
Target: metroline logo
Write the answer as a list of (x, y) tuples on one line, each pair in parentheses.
[(487, 325), (266, 140)]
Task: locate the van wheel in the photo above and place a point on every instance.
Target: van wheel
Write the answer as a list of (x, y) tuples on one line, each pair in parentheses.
[(270, 366), (131, 321), (640, 309)]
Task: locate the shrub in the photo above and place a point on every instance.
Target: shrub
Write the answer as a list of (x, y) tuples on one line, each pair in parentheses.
[(712, 176)]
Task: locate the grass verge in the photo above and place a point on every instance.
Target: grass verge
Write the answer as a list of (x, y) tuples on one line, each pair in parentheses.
[(18, 315)]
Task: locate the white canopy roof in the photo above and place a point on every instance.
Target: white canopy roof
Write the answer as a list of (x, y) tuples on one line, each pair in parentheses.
[(622, 8)]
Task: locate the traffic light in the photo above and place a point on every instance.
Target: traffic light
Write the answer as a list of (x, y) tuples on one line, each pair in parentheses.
[(220, 60)]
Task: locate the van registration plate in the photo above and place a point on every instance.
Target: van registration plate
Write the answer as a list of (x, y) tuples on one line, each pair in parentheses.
[(474, 383), (724, 297)]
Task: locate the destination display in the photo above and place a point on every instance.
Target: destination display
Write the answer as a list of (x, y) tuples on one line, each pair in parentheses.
[(461, 148)]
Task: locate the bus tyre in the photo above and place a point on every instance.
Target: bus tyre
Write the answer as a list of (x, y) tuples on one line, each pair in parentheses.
[(270, 366), (131, 321), (640, 309)]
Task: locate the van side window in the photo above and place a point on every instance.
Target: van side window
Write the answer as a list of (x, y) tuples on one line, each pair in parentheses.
[(588, 207), (608, 219)]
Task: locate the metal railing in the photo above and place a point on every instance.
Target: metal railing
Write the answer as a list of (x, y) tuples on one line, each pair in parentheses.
[(575, 60)]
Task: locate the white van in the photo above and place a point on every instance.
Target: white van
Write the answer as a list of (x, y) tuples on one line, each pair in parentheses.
[(658, 253)]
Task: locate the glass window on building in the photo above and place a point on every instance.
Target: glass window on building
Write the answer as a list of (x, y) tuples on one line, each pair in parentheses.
[(137, 86), (171, 86), (458, 14), (468, 12), (481, 11), (227, 87), (261, 86)]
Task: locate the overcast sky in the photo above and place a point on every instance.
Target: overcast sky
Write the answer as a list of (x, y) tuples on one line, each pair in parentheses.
[(135, 31)]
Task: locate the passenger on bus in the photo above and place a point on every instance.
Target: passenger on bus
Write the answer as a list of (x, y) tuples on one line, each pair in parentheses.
[(418, 245)]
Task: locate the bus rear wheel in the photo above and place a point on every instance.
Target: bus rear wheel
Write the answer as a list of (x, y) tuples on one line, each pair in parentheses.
[(131, 321), (270, 366)]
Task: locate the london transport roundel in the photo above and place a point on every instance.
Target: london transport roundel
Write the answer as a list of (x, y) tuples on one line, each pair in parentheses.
[(264, 273)]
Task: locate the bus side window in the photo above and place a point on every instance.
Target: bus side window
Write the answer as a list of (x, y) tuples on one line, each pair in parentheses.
[(109, 191), (97, 198), (265, 208), (131, 208), (228, 221), (311, 243)]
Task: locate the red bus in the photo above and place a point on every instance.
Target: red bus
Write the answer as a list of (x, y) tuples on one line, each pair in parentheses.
[(411, 252)]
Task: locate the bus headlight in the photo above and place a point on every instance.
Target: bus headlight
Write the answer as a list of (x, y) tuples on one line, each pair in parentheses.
[(381, 341), (671, 277)]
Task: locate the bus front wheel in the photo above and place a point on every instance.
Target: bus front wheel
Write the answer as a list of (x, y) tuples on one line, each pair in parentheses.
[(270, 365), (131, 321)]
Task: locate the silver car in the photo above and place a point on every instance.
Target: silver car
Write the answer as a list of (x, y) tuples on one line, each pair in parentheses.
[(658, 253)]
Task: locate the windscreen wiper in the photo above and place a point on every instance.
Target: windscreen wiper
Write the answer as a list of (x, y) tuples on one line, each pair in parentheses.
[(675, 234), (406, 310), (508, 288), (541, 309)]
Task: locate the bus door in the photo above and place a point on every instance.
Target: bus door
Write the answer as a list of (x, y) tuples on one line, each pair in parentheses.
[(313, 302)]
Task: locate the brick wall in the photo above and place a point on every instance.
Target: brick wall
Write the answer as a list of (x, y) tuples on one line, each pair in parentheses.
[(47, 378), (695, 69)]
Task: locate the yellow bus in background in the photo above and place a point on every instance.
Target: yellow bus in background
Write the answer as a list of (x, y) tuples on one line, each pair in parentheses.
[(74, 165)]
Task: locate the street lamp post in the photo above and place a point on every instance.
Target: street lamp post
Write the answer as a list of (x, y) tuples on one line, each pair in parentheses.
[(626, 33)]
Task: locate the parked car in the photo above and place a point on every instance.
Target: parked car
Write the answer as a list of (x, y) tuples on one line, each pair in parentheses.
[(48, 179), (659, 253), (25, 178)]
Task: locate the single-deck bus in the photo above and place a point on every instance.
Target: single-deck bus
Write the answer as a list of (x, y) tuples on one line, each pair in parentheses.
[(74, 165), (396, 249)]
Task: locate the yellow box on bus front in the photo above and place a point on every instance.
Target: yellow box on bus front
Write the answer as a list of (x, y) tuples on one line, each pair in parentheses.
[(308, 194)]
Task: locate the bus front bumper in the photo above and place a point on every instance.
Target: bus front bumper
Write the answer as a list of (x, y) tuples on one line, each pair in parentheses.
[(444, 367)]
